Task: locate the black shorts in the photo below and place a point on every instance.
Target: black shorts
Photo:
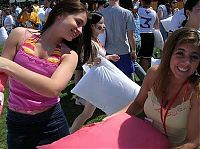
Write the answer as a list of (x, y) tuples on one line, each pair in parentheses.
[(147, 45)]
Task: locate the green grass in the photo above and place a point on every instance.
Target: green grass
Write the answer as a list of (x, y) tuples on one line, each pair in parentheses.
[(3, 129), (70, 109)]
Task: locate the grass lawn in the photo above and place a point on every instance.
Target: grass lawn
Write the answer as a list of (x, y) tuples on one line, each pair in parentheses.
[(71, 111), (3, 129)]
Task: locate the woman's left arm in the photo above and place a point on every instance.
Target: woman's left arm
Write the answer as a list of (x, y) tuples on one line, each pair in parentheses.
[(38, 83), (193, 126)]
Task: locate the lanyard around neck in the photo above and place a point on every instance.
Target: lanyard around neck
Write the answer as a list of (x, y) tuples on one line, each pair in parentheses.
[(168, 107)]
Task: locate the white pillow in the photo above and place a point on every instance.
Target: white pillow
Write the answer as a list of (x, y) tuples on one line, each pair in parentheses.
[(106, 87), (166, 23)]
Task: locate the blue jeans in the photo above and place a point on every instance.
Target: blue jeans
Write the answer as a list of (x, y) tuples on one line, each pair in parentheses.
[(139, 71), (28, 131)]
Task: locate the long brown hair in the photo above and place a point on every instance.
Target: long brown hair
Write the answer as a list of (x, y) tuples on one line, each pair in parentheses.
[(68, 7), (183, 35)]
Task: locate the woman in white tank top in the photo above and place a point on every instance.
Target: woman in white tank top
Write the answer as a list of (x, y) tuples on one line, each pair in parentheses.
[(93, 28)]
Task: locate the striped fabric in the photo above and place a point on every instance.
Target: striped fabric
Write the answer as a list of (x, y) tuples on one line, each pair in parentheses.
[(29, 47)]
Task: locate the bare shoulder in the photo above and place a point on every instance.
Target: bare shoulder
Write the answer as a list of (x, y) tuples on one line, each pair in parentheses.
[(20, 33), (152, 72), (150, 78)]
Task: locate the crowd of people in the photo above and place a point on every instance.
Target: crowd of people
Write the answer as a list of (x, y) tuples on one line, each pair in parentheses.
[(121, 32), (30, 15)]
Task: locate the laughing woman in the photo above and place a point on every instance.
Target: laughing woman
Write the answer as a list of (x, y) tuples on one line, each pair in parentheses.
[(39, 66)]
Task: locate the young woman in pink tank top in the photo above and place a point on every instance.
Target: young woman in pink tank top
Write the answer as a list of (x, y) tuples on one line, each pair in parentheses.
[(39, 65)]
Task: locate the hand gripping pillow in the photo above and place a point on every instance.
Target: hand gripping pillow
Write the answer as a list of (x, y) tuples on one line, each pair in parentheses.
[(106, 87), (118, 132)]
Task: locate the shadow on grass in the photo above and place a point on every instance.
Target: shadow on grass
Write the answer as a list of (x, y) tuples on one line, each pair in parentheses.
[(72, 110)]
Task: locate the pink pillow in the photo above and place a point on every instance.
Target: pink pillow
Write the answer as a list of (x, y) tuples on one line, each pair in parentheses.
[(121, 131)]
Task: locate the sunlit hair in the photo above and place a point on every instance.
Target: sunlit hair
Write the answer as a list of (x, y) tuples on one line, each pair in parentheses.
[(180, 36)]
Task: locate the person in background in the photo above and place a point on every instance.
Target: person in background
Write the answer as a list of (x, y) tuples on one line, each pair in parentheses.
[(148, 22), (177, 20), (35, 6), (120, 27), (9, 22), (39, 66), (41, 15), (23, 17), (34, 20), (170, 93), (139, 71), (3, 35), (101, 5), (49, 4), (95, 26), (134, 6), (192, 11), (18, 10), (29, 18), (173, 5), (164, 11)]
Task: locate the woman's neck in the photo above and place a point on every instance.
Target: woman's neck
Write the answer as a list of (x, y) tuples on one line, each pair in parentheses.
[(94, 37), (174, 82), (48, 41)]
